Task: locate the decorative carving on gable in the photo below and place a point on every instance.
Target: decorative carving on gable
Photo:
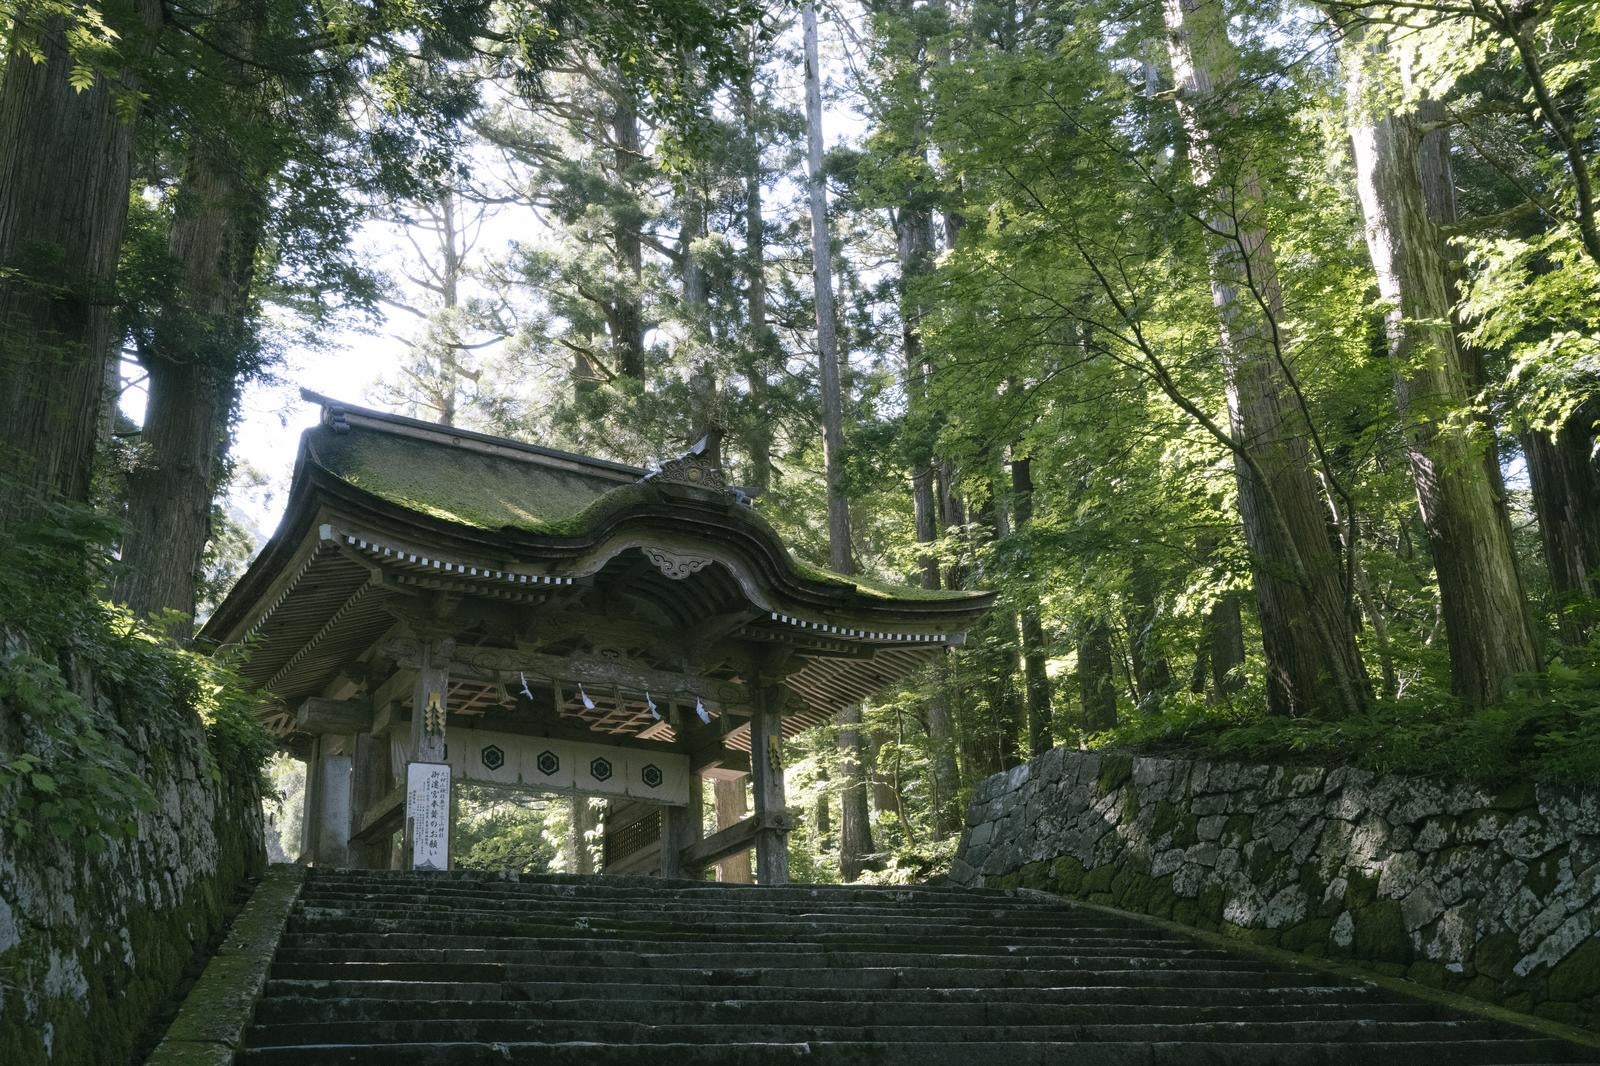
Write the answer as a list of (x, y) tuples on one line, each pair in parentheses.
[(676, 565), (691, 469), (700, 466)]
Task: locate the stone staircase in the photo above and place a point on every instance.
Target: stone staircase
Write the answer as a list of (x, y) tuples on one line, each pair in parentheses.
[(401, 969)]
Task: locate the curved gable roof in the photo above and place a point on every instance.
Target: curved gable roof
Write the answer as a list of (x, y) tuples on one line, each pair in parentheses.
[(520, 490), (496, 517)]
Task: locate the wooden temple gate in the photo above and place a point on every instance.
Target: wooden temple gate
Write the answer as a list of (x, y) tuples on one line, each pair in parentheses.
[(440, 605)]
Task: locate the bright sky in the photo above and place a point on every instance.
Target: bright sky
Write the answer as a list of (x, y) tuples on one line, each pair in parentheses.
[(272, 415)]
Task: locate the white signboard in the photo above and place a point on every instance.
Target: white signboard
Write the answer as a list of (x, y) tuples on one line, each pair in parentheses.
[(428, 814), (568, 765)]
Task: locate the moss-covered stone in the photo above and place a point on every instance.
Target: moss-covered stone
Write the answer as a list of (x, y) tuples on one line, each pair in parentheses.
[(1162, 899), (1311, 865), (1312, 883), (1067, 875), (1115, 771), (1578, 975), (129, 938), (1428, 972), (1099, 879), (1210, 904), (1125, 889), (1496, 955), (1484, 825), (1543, 874), (1380, 933), (1166, 818), (1360, 891), (1310, 936), (1267, 866), (218, 1008), (1516, 797), (1238, 829), (1249, 934), (1557, 1011)]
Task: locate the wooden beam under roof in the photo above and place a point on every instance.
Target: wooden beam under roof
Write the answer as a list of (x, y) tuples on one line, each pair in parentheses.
[(339, 717), (588, 670)]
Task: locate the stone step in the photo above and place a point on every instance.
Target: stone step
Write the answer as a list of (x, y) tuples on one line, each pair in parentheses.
[(689, 902), (1353, 1031), (490, 925), (1240, 975), (854, 913), (566, 935), (820, 1053), (901, 918), (1357, 997), (717, 911), (287, 1010), (921, 894), (611, 953), (593, 888), (456, 969)]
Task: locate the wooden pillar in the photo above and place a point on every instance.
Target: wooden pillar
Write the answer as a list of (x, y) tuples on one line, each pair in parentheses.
[(369, 782), (308, 804), (732, 805), (766, 778), (428, 701), (327, 815), (428, 710), (680, 827)]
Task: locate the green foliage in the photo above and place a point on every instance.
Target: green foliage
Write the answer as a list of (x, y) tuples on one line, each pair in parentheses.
[(82, 680), (505, 830), (57, 789), (283, 809), (1549, 728), (1063, 311), (1534, 298), (913, 863)]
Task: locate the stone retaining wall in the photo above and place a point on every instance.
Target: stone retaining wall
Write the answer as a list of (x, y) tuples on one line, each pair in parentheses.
[(93, 942), (1491, 894)]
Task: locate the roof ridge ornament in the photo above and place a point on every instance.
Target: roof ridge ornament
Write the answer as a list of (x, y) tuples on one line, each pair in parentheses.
[(700, 466)]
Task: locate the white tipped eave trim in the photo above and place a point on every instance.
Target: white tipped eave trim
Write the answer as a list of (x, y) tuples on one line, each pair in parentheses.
[(865, 634), (483, 573)]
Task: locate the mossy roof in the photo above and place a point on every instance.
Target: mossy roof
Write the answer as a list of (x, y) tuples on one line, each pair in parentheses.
[(494, 484), (470, 488), (874, 587)]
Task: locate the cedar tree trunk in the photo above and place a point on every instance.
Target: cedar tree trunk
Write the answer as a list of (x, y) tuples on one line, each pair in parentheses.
[(1481, 596), (1313, 665), (65, 162), (855, 820)]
